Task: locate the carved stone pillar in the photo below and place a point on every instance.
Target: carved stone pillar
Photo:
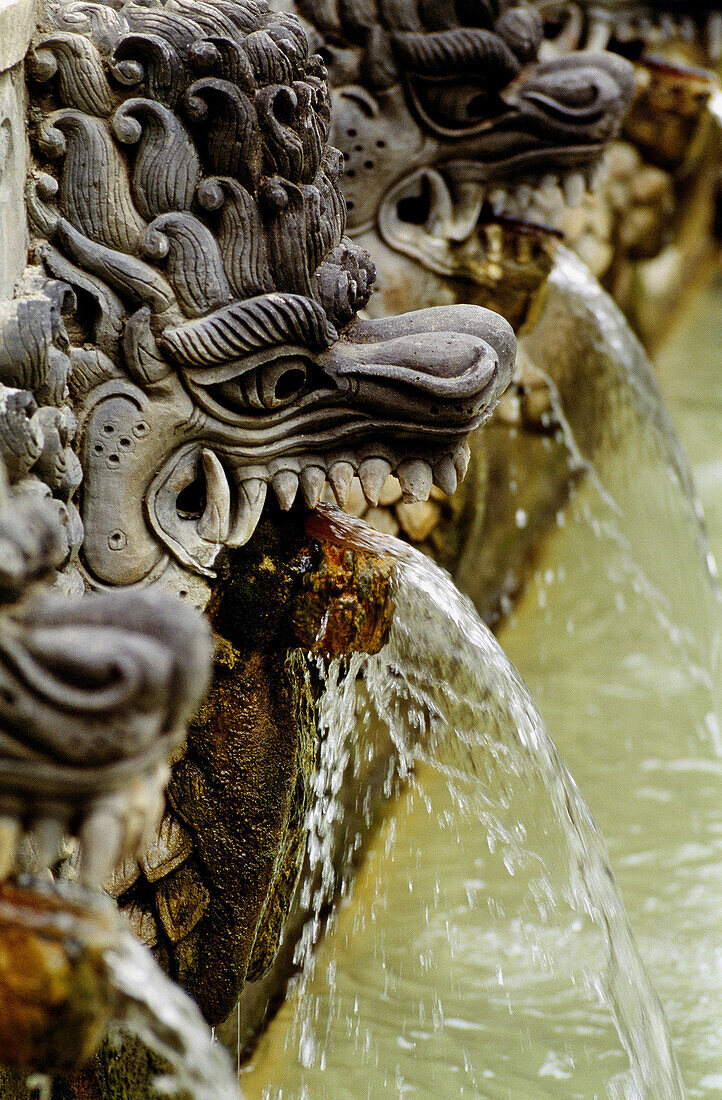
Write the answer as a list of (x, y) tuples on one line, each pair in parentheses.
[(17, 25)]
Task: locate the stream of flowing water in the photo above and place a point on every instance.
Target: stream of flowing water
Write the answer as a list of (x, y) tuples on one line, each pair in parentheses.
[(154, 1009), (485, 951), (469, 960), (618, 637), (459, 712)]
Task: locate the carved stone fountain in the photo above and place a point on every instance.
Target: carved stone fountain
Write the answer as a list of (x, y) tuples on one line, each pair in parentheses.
[(183, 336), (180, 331), (651, 232)]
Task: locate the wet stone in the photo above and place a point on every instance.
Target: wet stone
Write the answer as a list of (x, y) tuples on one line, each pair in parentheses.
[(217, 885), (55, 994), (345, 604)]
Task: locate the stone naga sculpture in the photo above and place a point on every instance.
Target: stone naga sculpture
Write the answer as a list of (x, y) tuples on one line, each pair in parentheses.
[(634, 26), (450, 125), (184, 190), (651, 231)]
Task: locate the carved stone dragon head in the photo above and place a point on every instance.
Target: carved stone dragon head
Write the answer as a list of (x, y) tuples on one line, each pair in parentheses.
[(185, 191), (676, 48), (449, 122)]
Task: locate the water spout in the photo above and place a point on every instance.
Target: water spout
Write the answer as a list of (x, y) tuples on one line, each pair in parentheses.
[(457, 710)]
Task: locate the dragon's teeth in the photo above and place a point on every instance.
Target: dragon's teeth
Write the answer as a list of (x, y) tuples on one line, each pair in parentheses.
[(340, 476), (285, 486), (550, 196), (523, 195), (416, 479), (216, 519), (714, 36), (372, 474), (494, 240), (9, 836), (251, 498), (391, 493), (313, 479), (687, 29), (574, 188), (101, 841), (445, 475), (513, 209), (461, 459), (46, 833), (498, 200)]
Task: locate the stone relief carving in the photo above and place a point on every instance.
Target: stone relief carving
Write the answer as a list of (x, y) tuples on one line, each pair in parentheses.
[(465, 150), (184, 190), (634, 26), (651, 227), (186, 334)]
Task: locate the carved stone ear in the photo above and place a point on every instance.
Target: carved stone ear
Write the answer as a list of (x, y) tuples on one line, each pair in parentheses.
[(189, 508), (424, 218)]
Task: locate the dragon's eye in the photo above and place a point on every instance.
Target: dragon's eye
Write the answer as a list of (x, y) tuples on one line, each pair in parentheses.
[(457, 105), (268, 387)]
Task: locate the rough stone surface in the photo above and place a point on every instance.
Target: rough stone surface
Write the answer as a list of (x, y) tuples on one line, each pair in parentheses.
[(13, 168), (433, 180), (344, 604), (195, 299), (17, 25)]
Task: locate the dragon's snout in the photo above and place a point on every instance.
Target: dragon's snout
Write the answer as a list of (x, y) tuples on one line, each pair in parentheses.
[(434, 372), (583, 96)]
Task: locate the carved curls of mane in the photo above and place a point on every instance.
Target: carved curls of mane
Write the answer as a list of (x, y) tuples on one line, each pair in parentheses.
[(482, 39), (187, 114)]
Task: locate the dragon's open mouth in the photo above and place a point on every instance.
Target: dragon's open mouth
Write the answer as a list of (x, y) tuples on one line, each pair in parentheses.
[(538, 197), (397, 396)]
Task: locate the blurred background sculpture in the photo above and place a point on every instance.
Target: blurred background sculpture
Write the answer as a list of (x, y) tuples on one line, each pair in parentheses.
[(95, 696)]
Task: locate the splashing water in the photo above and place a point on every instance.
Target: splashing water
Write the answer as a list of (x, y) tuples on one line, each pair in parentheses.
[(472, 744), (154, 1009)]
